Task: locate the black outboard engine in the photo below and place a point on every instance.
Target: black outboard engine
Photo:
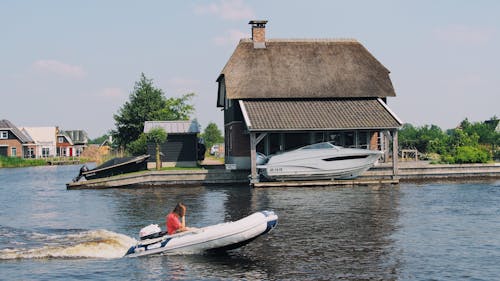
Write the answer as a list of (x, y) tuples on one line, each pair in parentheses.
[(201, 149), (83, 169)]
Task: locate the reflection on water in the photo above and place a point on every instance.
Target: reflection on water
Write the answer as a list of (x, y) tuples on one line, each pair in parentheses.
[(323, 233)]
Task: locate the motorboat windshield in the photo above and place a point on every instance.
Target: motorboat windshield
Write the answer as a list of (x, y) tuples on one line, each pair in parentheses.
[(320, 145)]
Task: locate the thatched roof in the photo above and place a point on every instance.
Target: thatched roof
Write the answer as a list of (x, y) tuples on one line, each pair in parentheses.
[(305, 69), (328, 114)]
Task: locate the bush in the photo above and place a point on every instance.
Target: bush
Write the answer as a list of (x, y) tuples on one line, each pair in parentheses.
[(12, 162), (471, 154)]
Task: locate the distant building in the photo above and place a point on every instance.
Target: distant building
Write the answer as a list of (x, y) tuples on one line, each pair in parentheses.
[(45, 140), (182, 147), (40, 142), (78, 139), (14, 142)]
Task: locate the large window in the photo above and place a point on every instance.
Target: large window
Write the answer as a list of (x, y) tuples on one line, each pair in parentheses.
[(29, 153), (4, 135), (45, 152)]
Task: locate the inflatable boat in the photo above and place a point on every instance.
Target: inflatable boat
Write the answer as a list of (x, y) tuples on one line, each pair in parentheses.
[(219, 237)]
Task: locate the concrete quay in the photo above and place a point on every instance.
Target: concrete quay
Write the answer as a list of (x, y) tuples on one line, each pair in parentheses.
[(415, 171), (175, 178)]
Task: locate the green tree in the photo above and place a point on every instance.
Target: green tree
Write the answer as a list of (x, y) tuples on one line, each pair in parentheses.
[(138, 146), (147, 103), (158, 136), (212, 135), (98, 140)]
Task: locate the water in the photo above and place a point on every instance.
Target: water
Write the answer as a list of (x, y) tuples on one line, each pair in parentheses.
[(446, 231)]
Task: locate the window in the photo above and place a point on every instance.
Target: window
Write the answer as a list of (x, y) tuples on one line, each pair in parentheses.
[(30, 153), (4, 135), (13, 152), (45, 152), (60, 140)]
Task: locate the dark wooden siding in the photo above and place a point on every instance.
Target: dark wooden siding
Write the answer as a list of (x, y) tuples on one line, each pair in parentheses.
[(237, 142), (177, 148), (233, 113)]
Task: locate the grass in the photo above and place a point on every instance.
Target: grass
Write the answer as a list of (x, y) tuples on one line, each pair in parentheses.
[(15, 162)]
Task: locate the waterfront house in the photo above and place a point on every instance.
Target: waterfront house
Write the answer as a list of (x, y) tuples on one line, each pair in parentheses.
[(64, 144), (14, 142), (281, 94), (78, 140), (44, 139), (182, 148)]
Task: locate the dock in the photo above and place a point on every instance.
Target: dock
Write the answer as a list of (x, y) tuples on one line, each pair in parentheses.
[(414, 171)]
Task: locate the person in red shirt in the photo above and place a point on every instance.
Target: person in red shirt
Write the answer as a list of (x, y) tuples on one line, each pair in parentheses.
[(175, 220)]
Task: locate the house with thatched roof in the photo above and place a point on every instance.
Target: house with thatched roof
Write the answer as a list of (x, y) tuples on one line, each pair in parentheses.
[(281, 94)]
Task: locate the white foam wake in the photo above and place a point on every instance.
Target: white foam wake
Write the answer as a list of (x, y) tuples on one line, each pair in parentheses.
[(88, 244)]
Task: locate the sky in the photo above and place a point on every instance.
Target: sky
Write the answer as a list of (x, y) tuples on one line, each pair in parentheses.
[(73, 64)]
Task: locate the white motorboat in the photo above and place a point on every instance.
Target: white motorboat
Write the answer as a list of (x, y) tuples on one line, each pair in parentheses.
[(319, 161), (219, 237)]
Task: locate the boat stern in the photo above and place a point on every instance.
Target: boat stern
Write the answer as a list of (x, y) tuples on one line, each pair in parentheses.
[(272, 220)]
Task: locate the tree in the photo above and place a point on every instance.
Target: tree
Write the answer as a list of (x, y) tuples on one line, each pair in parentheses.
[(99, 140), (158, 136), (147, 103), (212, 135), (138, 146)]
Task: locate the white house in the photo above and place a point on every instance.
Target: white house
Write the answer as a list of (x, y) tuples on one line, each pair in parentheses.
[(44, 138)]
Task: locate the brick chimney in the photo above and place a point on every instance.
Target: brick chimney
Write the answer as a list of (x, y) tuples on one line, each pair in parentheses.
[(258, 33)]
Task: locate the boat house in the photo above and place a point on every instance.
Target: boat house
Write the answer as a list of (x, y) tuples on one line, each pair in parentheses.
[(281, 94), (182, 148)]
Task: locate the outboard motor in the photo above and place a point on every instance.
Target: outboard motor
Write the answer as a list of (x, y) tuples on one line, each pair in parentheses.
[(83, 169), (150, 231), (201, 149)]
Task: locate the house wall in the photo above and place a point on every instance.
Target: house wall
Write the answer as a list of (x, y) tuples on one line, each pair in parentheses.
[(45, 138), (178, 150), (9, 143), (237, 145)]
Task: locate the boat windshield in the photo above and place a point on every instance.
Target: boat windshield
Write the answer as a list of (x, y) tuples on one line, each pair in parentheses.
[(321, 145)]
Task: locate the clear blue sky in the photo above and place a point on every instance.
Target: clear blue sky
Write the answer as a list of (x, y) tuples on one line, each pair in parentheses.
[(74, 63)]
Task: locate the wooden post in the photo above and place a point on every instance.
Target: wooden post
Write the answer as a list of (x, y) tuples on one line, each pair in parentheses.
[(253, 157), (395, 147)]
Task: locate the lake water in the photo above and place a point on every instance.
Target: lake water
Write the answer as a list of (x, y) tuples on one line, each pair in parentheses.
[(442, 231)]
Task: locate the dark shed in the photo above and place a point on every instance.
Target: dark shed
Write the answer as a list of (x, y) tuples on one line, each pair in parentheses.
[(181, 148)]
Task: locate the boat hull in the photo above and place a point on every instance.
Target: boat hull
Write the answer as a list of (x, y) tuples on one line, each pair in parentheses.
[(314, 164), (220, 237), (118, 166)]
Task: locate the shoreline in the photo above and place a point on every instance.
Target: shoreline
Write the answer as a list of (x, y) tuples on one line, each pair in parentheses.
[(213, 175)]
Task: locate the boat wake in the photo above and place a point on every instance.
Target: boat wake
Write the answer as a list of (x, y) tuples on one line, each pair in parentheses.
[(76, 244)]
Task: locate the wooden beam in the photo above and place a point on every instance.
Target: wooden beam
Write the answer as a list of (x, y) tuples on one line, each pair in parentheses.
[(260, 137), (395, 148), (253, 157)]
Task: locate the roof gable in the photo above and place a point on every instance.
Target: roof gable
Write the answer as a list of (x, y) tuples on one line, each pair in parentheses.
[(174, 127), (305, 69), (7, 125)]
